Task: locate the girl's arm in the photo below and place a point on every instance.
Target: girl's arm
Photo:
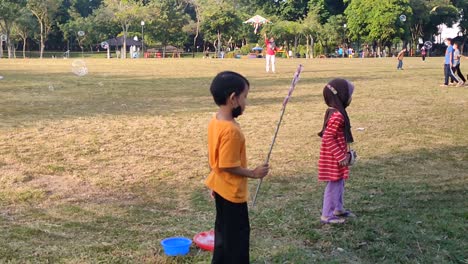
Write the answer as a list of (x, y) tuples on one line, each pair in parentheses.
[(329, 138)]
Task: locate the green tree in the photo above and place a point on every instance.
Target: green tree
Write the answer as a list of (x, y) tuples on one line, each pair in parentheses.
[(288, 31), (379, 21), (194, 25), (125, 13), (220, 20), (76, 24), (45, 11), (326, 8), (331, 33), (25, 26), (462, 5), (167, 24), (9, 12), (310, 29)]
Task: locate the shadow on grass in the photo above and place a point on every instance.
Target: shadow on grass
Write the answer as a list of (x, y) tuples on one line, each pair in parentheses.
[(411, 207)]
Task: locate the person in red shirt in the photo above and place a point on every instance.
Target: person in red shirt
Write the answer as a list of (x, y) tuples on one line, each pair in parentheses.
[(270, 53), (334, 156)]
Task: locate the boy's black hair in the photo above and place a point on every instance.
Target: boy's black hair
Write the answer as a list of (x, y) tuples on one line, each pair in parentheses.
[(225, 83)]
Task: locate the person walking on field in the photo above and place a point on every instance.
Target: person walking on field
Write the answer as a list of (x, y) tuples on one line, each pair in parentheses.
[(448, 64), (270, 53), (400, 57), (423, 53), (456, 65)]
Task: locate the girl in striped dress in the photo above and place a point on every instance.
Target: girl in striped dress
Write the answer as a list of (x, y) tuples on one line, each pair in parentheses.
[(334, 157)]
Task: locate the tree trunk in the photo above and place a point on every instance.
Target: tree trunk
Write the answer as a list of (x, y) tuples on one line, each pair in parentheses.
[(24, 47), (194, 44), (1, 49), (312, 46), (42, 39), (295, 45), (124, 51), (197, 11), (9, 44), (219, 43)]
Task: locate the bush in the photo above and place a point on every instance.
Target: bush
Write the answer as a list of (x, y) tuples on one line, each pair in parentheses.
[(318, 49)]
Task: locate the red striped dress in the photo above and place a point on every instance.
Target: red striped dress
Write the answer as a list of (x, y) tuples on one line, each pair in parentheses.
[(333, 150)]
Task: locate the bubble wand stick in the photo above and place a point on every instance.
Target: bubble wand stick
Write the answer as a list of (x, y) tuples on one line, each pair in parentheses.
[(285, 102)]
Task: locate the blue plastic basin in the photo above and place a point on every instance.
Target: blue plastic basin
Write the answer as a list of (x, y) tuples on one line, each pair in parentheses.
[(176, 246)]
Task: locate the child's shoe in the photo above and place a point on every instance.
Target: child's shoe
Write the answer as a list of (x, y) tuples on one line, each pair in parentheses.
[(345, 214), (332, 220)]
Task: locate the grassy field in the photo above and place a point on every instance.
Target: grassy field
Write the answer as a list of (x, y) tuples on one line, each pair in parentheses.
[(100, 168)]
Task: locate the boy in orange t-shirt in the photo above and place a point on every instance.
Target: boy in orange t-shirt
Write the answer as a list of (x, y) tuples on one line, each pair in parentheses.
[(228, 177)]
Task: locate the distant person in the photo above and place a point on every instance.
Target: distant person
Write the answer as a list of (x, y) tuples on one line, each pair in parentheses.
[(335, 157), (448, 64), (400, 57), (341, 52), (423, 53), (350, 52), (290, 54), (456, 65), (270, 53), (229, 173)]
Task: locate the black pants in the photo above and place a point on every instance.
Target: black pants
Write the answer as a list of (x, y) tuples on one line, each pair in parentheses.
[(232, 232), (457, 70)]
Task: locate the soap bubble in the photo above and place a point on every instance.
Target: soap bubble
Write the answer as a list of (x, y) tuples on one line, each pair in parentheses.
[(402, 18), (51, 87), (104, 45), (428, 44), (81, 33), (3, 37), (1, 77), (79, 68)]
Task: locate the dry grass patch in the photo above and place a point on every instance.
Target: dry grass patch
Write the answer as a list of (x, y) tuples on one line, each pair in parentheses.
[(101, 168)]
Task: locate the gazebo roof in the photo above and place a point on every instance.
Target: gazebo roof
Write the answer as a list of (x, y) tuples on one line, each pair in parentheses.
[(118, 41)]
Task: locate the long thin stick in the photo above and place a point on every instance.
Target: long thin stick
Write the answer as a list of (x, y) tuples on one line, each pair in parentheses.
[(283, 109)]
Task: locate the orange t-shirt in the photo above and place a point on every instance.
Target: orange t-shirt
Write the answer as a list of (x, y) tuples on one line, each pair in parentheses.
[(226, 149)]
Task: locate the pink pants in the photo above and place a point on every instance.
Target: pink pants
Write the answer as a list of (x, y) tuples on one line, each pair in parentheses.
[(333, 198)]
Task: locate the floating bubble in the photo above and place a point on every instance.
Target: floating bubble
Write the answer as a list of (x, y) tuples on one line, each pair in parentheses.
[(79, 68), (402, 18), (100, 84), (3, 37), (1, 77), (104, 45), (51, 87), (428, 44), (81, 33)]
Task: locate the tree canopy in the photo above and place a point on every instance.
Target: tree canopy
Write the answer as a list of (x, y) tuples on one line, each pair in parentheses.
[(217, 24)]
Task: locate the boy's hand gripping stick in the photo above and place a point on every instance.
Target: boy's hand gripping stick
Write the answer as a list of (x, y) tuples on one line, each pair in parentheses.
[(285, 102)]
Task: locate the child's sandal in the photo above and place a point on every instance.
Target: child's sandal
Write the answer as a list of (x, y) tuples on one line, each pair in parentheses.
[(345, 214), (333, 220)]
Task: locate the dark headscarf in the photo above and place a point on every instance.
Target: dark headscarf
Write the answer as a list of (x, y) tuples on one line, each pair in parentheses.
[(337, 94)]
